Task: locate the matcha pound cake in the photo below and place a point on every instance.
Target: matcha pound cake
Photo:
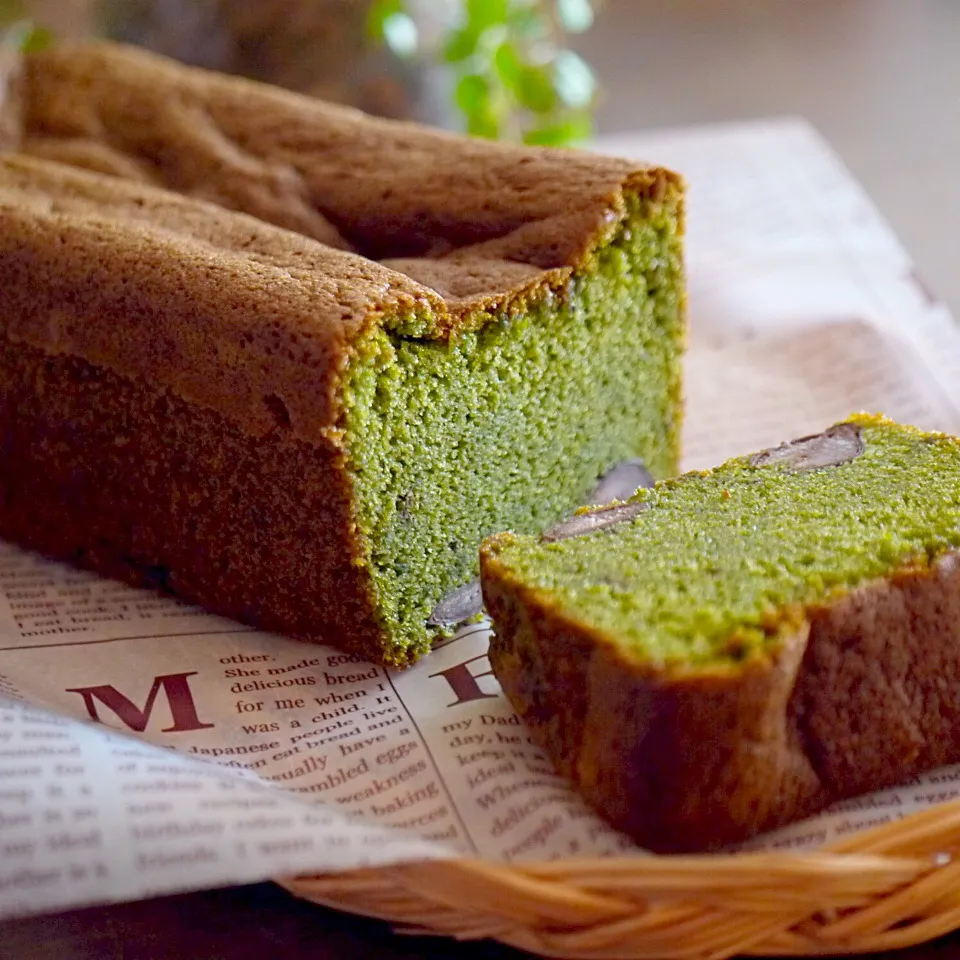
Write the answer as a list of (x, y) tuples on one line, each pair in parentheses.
[(735, 649), (310, 424)]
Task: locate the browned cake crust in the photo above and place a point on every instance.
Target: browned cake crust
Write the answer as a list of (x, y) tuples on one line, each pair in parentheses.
[(220, 308), (862, 697), (474, 220)]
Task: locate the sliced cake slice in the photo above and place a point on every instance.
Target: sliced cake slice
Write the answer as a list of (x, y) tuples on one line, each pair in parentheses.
[(735, 649)]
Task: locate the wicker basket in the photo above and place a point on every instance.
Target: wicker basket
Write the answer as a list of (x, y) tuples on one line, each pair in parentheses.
[(890, 887)]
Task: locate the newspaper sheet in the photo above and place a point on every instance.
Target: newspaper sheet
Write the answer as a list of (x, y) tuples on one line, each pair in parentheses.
[(147, 747)]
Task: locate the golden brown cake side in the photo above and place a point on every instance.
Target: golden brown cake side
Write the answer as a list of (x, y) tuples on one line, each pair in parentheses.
[(859, 698), (221, 309), (126, 478)]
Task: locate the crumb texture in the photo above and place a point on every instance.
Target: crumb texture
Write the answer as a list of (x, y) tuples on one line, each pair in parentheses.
[(705, 574)]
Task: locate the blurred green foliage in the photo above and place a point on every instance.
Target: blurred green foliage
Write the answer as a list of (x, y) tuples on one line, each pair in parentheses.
[(18, 31), (514, 76)]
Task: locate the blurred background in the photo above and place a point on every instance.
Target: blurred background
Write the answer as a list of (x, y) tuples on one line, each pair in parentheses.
[(879, 78)]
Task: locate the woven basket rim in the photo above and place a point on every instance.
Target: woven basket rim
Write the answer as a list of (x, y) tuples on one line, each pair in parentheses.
[(884, 888)]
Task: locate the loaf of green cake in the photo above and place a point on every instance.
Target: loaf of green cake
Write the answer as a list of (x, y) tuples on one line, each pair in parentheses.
[(309, 424), (735, 649)]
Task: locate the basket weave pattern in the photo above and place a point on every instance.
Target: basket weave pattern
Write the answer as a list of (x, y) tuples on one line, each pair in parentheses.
[(889, 887)]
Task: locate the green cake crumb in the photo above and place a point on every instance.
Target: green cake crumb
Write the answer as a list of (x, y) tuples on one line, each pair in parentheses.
[(559, 390), (722, 563)]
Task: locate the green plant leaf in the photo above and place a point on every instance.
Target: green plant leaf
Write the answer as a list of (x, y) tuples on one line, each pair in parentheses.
[(401, 35), (37, 39), (474, 97), (534, 89), (508, 64), (527, 20), (459, 45), (574, 80), (380, 11), (575, 15), (26, 37), (486, 13), (484, 124), (472, 94), (566, 133)]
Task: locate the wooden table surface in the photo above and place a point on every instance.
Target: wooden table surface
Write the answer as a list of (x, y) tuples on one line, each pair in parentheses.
[(880, 78)]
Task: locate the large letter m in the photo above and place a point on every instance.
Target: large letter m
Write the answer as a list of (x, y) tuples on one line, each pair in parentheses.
[(183, 711)]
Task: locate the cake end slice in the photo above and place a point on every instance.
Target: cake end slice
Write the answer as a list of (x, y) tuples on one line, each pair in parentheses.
[(736, 649)]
